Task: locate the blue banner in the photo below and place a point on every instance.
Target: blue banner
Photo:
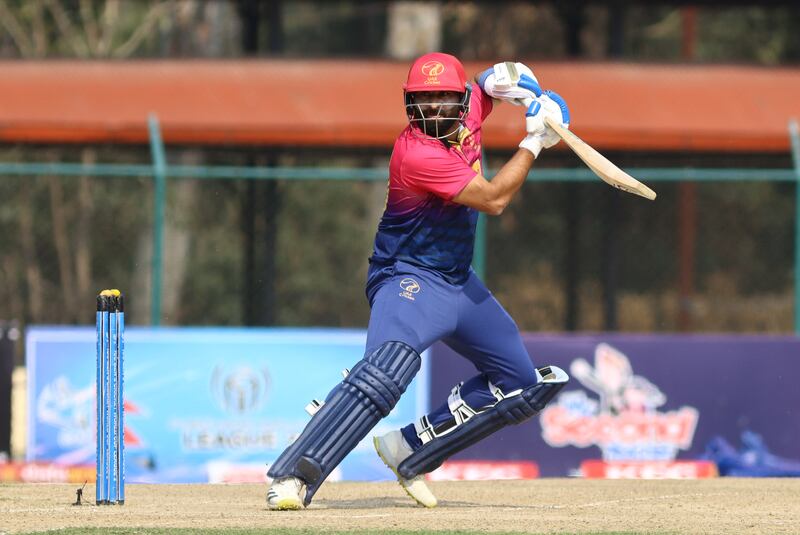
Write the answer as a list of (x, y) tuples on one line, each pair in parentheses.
[(201, 404), (637, 398)]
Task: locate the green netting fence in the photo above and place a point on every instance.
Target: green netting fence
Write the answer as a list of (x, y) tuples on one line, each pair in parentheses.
[(285, 243)]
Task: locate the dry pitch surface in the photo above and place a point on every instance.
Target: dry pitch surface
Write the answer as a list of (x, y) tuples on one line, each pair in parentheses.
[(753, 506)]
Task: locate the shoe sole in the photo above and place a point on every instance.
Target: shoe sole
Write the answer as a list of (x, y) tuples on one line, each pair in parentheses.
[(287, 505), (399, 477)]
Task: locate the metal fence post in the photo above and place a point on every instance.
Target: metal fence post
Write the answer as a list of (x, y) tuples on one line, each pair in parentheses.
[(159, 193), (795, 137)]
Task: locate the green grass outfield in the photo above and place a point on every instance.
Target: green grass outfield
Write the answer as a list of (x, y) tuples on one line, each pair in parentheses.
[(165, 531)]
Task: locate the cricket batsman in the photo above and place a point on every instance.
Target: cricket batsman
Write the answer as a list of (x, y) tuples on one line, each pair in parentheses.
[(421, 289)]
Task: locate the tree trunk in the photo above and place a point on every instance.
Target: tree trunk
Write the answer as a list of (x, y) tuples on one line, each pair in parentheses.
[(414, 28), (178, 234), (10, 290), (33, 275), (83, 243), (63, 253)]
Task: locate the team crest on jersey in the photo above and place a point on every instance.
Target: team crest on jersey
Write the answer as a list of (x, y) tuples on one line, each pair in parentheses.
[(409, 287)]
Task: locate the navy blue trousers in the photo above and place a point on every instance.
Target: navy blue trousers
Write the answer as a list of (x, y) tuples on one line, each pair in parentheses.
[(419, 307)]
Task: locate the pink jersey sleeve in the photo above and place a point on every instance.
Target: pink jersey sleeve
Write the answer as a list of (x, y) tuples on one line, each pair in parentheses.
[(436, 170)]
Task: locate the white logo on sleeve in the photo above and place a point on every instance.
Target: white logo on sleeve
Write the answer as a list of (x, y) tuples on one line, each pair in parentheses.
[(410, 287)]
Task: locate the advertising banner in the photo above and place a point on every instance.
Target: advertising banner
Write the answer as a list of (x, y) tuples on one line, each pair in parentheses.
[(201, 404), (639, 402)]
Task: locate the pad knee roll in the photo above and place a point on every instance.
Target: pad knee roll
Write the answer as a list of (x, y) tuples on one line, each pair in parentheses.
[(368, 393), (511, 409)]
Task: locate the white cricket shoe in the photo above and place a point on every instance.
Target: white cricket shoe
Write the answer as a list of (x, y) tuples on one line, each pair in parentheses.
[(392, 448), (284, 494)]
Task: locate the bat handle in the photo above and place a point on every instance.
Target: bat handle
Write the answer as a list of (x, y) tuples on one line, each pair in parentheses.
[(547, 120)]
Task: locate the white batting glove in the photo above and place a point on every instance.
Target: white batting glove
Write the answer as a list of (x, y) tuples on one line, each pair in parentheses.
[(510, 82), (536, 129), (556, 108), (539, 135)]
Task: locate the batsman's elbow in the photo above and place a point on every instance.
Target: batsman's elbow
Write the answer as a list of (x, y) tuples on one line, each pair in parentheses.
[(484, 196), (495, 207)]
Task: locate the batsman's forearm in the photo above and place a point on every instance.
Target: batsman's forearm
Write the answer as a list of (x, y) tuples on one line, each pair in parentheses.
[(511, 176)]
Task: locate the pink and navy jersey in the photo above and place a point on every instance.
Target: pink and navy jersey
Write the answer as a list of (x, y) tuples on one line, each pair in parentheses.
[(421, 225)]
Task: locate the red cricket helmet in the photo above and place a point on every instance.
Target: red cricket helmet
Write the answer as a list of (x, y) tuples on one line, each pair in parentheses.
[(436, 72)]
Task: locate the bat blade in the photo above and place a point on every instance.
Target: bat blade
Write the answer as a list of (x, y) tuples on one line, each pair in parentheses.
[(600, 165)]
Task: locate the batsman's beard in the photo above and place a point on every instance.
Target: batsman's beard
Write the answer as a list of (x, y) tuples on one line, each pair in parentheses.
[(439, 120), (439, 128)]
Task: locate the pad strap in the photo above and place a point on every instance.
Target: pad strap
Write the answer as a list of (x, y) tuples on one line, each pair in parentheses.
[(448, 439), (367, 394)]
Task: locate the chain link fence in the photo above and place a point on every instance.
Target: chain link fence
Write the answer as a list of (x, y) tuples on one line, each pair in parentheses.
[(570, 253)]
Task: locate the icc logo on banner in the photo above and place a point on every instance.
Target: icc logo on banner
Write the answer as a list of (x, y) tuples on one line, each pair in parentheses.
[(624, 422), (241, 389)]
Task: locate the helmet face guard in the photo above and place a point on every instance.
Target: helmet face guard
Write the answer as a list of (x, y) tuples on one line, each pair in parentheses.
[(436, 72), (436, 123)]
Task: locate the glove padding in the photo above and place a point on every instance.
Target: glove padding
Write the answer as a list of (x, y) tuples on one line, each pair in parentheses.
[(540, 136), (510, 82)]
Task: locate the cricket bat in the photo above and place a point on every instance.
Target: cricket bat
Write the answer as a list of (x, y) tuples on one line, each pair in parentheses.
[(506, 75), (599, 164)]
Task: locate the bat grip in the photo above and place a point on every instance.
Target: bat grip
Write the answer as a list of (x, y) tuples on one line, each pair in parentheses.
[(547, 120)]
